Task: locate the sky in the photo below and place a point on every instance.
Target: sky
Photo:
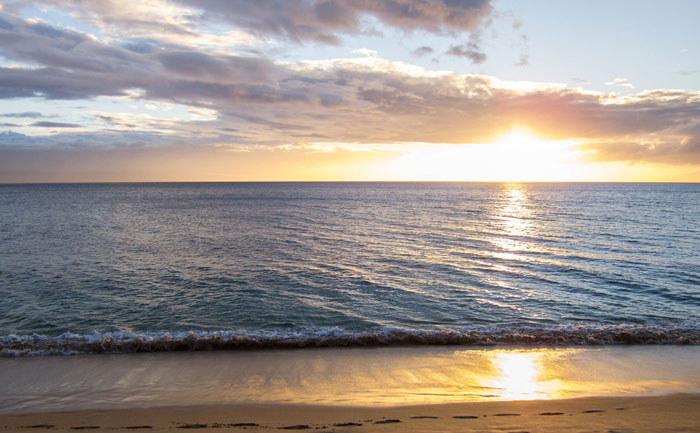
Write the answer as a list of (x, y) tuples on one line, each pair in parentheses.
[(316, 90)]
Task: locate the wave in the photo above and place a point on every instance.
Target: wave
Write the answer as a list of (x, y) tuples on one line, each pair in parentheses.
[(129, 342)]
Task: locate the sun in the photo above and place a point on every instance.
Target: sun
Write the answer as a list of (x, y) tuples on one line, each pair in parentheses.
[(518, 155)]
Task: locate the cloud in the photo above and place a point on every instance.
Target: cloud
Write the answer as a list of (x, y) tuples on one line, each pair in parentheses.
[(422, 51), (523, 61), (161, 22), (185, 22), (255, 102), (669, 150), (470, 50), (26, 114), (620, 82), (326, 21), (10, 140), (44, 124), (365, 52)]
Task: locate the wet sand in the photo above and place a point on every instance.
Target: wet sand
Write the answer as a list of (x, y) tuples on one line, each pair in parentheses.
[(671, 413), (422, 389), (377, 377)]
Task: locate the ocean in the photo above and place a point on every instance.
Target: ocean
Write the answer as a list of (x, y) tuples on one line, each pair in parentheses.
[(151, 267)]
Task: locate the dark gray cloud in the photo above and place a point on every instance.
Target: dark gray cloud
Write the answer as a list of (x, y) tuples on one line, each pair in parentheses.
[(326, 20), (41, 44), (323, 21), (422, 51), (26, 114), (470, 50), (195, 64), (91, 68), (57, 83), (45, 124), (82, 140)]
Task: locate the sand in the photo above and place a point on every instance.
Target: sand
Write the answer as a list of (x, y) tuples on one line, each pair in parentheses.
[(671, 413), (369, 377)]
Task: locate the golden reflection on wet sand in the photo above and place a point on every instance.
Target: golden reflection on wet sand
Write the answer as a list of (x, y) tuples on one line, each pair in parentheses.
[(520, 374), (517, 375), (354, 377)]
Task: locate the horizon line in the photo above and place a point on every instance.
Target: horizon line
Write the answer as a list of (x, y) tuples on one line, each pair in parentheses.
[(346, 181)]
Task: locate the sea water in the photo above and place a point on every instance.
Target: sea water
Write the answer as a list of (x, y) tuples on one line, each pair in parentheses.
[(94, 268)]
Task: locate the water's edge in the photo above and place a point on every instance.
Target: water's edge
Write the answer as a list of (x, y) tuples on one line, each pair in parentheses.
[(129, 342)]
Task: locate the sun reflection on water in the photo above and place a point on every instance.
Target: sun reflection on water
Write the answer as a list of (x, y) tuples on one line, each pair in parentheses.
[(513, 216), (512, 223)]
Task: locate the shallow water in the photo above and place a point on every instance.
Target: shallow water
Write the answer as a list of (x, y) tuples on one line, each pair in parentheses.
[(370, 263)]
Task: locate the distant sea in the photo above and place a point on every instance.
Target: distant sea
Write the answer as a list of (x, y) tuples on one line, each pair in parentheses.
[(101, 268)]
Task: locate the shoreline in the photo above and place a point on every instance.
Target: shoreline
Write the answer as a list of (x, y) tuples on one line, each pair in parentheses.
[(369, 377), (668, 413)]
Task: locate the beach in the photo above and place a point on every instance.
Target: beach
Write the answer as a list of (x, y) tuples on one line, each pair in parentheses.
[(492, 307), (452, 388), (349, 216), (671, 413)]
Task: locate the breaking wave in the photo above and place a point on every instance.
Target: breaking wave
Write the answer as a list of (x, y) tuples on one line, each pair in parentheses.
[(129, 342)]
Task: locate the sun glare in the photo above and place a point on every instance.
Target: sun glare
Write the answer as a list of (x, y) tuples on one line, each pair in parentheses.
[(518, 377), (517, 156), (520, 156)]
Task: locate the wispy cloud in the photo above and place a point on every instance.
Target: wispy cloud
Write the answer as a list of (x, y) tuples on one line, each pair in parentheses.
[(45, 124), (365, 52), (620, 82), (26, 114), (422, 51), (470, 50)]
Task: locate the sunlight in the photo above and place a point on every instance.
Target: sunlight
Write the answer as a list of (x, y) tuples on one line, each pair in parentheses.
[(520, 156), (513, 221), (514, 213), (517, 156), (518, 375)]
